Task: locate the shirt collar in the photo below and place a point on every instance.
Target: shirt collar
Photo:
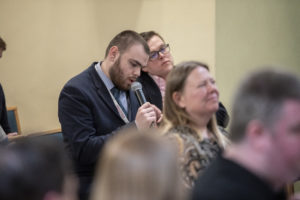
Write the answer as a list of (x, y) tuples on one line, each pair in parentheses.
[(108, 83)]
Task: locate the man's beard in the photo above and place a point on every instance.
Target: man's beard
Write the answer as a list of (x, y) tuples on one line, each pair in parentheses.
[(117, 76)]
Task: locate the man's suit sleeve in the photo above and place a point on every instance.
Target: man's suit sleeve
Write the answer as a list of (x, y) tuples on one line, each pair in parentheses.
[(78, 125), (3, 112)]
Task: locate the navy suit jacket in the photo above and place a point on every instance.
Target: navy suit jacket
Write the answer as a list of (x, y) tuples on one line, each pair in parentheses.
[(3, 112), (89, 117)]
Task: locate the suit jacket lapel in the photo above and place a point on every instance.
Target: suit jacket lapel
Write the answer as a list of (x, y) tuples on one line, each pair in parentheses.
[(102, 90)]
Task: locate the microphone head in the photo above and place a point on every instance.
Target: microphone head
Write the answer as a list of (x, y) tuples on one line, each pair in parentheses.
[(136, 86)]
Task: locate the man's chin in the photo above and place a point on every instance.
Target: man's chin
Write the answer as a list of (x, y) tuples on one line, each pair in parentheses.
[(125, 87)]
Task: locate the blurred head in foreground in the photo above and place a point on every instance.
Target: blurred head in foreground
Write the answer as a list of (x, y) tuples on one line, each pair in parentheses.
[(137, 166), (36, 169), (266, 123), (265, 133)]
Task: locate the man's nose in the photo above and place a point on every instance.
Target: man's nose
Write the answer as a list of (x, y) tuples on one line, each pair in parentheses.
[(137, 71)]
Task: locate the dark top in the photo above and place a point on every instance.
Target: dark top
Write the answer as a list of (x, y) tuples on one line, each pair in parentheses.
[(226, 180), (88, 119), (150, 89), (3, 112), (222, 116)]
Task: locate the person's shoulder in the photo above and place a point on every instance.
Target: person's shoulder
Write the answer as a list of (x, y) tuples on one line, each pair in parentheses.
[(185, 133), (215, 188), (216, 193), (219, 181), (82, 79), (181, 135), (177, 132), (176, 139), (1, 91)]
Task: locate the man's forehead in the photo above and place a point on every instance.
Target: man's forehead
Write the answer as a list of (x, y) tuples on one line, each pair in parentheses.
[(137, 53), (290, 111)]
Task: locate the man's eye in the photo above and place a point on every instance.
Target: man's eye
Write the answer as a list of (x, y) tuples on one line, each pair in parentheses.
[(134, 64)]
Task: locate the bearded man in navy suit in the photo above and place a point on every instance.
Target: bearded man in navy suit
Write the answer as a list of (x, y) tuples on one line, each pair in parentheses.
[(90, 112)]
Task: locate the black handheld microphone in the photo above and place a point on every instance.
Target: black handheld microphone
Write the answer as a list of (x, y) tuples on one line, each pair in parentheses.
[(137, 88)]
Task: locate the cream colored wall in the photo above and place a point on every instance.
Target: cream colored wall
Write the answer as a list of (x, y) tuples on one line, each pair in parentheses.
[(250, 34), (49, 41)]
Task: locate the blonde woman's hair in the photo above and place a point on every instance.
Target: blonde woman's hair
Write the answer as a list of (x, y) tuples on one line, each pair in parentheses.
[(177, 116), (137, 166)]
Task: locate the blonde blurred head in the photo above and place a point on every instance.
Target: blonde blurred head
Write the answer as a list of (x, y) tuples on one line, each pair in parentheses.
[(137, 166)]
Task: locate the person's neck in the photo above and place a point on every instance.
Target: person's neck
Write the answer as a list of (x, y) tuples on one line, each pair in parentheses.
[(155, 76), (200, 122), (105, 68), (254, 162), (203, 132), (164, 77)]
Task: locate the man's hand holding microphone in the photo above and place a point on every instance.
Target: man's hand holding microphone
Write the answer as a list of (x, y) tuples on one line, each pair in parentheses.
[(148, 115)]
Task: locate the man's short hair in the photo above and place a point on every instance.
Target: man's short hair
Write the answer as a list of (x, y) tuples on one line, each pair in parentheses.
[(125, 40), (2, 44), (32, 167), (261, 97)]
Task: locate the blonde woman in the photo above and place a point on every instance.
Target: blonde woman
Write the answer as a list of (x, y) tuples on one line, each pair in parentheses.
[(137, 166), (191, 101)]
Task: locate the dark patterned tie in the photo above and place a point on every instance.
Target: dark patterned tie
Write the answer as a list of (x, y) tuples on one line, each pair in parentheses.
[(117, 93)]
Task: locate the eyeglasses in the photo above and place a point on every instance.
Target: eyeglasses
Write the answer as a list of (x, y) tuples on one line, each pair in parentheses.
[(155, 54)]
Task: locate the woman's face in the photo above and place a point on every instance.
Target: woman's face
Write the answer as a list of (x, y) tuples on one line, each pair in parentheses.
[(162, 65), (200, 95)]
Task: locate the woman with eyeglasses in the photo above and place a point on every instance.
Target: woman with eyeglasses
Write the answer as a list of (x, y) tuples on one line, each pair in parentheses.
[(191, 101), (153, 76)]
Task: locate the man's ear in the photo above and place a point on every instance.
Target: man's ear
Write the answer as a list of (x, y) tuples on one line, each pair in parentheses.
[(257, 134), (113, 53), (178, 99)]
